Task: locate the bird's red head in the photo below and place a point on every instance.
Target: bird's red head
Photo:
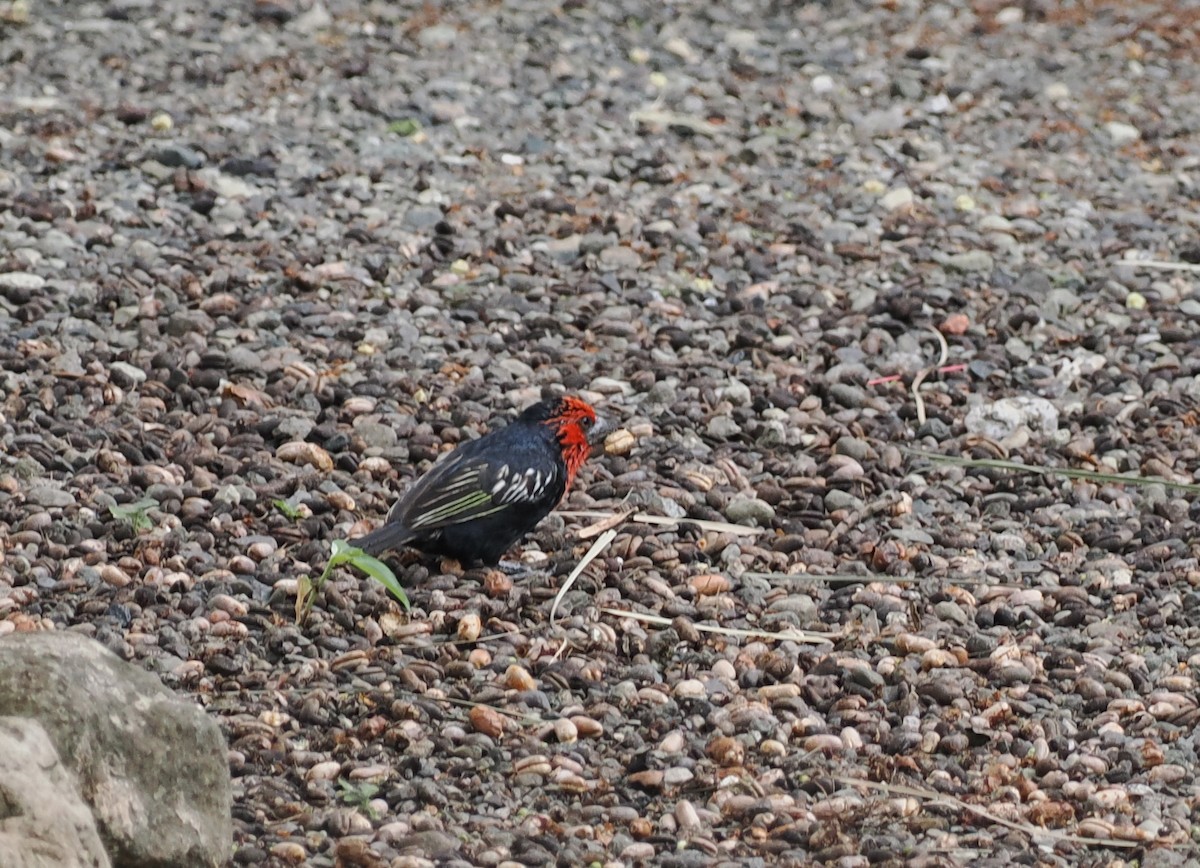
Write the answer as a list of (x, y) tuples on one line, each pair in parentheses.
[(576, 425)]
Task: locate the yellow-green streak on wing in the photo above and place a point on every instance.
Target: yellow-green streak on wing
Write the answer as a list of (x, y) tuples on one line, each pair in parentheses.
[(469, 506)]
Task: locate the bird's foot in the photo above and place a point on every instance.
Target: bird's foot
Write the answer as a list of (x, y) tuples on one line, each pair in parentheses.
[(516, 569)]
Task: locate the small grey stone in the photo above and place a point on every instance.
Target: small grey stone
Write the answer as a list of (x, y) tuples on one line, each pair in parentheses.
[(995, 223), (68, 363), (187, 321), (125, 375), (737, 392), (853, 447), (231, 187), (662, 392), (125, 314), (295, 427), (156, 170), (948, 610), (722, 427), (423, 217), (1011, 673), (749, 510), (1010, 543), (517, 368), (620, 257), (835, 498), (1018, 349), (1061, 300), (178, 156), (228, 494), (48, 496), (376, 435), (430, 844), (655, 502), (438, 36), (242, 358), (596, 242), (268, 319), (847, 395), (1122, 134), (1002, 418), (21, 280), (562, 249), (907, 87), (969, 261)]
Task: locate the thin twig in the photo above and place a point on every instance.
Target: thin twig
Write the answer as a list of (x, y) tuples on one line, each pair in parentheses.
[(1157, 263), (1068, 472), (815, 578), (604, 524), (594, 552), (945, 369), (662, 520), (809, 637), (952, 801), (921, 375)]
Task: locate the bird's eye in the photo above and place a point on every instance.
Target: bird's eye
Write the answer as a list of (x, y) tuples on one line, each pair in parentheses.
[(585, 422)]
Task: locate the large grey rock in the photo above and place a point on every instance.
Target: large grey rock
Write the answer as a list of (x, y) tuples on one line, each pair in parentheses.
[(151, 765), (44, 822)]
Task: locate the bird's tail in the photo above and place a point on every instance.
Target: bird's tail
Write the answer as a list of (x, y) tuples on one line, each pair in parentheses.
[(383, 539)]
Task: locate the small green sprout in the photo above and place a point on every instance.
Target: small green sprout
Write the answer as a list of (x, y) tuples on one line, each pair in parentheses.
[(290, 510), (135, 513), (358, 794), (341, 552), (405, 127)]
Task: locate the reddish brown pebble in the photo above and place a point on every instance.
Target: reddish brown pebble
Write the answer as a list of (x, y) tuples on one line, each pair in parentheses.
[(955, 324), (487, 720)]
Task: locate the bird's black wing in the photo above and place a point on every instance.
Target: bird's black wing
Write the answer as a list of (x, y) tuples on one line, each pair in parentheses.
[(473, 482)]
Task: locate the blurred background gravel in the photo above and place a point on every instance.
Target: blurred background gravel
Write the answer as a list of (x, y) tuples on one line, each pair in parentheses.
[(292, 251)]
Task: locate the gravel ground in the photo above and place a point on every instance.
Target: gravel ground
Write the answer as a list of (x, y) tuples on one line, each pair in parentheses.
[(268, 251)]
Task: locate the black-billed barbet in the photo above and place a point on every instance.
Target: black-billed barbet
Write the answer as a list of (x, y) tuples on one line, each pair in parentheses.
[(482, 498)]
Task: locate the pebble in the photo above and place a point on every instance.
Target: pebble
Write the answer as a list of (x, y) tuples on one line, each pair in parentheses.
[(737, 392), (22, 282), (177, 156), (970, 261), (723, 428), (323, 771), (620, 258), (750, 511), (125, 375), (1002, 419), (837, 499), (1122, 134), (690, 688), (49, 497), (897, 197)]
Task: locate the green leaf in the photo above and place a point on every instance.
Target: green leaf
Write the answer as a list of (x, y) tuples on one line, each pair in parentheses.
[(381, 573), (358, 795), (135, 513), (405, 127), (342, 553), (289, 510)]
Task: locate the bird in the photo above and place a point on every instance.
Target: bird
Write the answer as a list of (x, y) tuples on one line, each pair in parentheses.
[(479, 500)]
